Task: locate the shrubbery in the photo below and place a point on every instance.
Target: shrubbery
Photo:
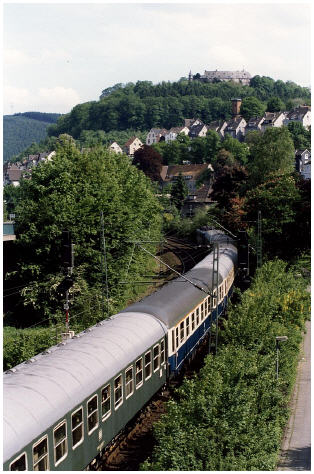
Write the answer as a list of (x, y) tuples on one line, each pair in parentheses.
[(231, 416)]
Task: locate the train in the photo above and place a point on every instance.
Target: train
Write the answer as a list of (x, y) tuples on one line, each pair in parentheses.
[(63, 407)]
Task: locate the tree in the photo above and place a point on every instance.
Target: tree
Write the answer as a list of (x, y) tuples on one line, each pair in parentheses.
[(69, 193), (301, 136), (252, 107), (272, 152), (278, 199), (239, 150), (149, 161), (275, 104), (179, 192), (228, 184)]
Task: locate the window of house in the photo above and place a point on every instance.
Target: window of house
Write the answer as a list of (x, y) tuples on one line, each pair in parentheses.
[(193, 321), (19, 464), (156, 356), (77, 425), (105, 402), (118, 392), (162, 352), (60, 442), (92, 414), (187, 326), (40, 455), (148, 365), (129, 382), (181, 331), (139, 372)]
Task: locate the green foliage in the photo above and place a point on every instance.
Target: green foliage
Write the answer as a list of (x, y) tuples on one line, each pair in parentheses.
[(179, 192), (143, 105), (69, 193), (239, 150), (19, 132), (252, 107), (273, 152), (300, 135), (231, 416), (275, 104)]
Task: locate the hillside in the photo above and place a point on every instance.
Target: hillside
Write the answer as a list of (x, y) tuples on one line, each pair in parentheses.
[(143, 105), (21, 130)]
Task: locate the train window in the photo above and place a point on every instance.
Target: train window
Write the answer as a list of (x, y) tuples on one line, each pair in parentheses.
[(129, 382), (118, 392), (139, 372), (206, 308), (92, 414), (77, 427), (193, 321), (162, 352), (19, 464), (202, 311), (60, 442), (40, 455), (187, 326), (181, 331), (105, 402), (197, 316), (177, 337), (173, 341), (156, 356), (148, 365)]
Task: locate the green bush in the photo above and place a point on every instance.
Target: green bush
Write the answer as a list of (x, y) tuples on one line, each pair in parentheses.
[(231, 416)]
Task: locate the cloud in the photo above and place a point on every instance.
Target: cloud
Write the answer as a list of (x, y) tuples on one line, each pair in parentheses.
[(54, 99), (16, 57)]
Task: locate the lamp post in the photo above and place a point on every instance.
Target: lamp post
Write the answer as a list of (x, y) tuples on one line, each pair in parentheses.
[(278, 340)]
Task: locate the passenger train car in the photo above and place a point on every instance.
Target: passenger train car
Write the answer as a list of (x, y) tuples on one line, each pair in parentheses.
[(64, 406)]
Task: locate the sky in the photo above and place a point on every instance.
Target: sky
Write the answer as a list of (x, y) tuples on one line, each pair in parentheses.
[(56, 55)]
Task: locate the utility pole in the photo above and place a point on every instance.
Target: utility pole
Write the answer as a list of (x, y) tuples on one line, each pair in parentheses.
[(259, 240), (104, 267), (65, 285)]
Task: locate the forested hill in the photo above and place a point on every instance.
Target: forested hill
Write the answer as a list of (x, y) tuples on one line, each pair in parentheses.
[(143, 105), (21, 130)]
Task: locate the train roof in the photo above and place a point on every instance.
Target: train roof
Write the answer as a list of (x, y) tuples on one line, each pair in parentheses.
[(39, 392), (216, 235), (175, 299)]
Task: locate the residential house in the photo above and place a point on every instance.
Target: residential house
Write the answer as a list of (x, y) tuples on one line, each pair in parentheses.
[(115, 147), (254, 124), (169, 174), (303, 163), (273, 119), (12, 174), (218, 126), (132, 145), (200, 198), (235, 128), (174, 132), (156, 135), (191, 122), (300, 114), (199, 130)]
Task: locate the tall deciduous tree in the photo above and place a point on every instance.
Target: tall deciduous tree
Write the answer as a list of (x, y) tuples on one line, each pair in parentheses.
[(273, 151), (69, 193), (179, 192), (252, 107), (149, 161)]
